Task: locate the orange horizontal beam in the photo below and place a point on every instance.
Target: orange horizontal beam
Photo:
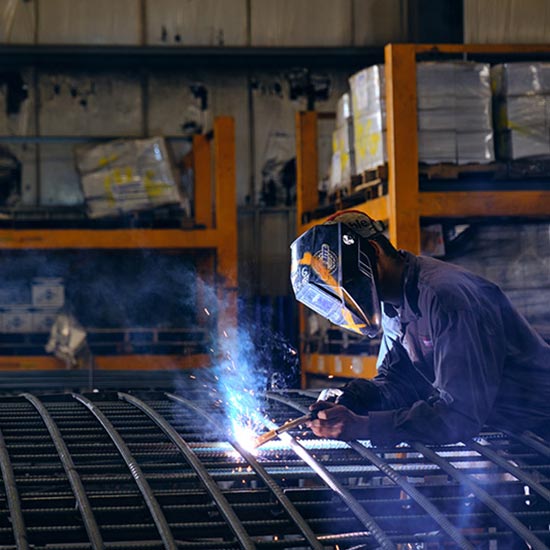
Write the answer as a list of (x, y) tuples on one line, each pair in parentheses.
[(339, 366), (482, 48), (108, 239), (107, 362), (376, 208), (485, 203), (24, 363)]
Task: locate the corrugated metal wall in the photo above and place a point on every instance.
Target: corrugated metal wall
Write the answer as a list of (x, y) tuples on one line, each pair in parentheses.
[(506, 21)]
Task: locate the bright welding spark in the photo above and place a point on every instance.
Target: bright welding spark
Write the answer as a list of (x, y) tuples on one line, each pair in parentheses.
[(245, 437), (206, 311), (330, 376)]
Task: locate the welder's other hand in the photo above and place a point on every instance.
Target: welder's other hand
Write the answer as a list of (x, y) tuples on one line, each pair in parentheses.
[(335, 421)]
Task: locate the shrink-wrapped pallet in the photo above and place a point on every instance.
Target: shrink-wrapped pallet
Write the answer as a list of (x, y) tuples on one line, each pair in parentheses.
[(124, 176), (453, 105), (343, 154), (522, 99)]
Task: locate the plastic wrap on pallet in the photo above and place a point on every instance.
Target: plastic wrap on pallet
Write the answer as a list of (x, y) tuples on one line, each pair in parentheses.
[(369, 141), (459, 113), (521, 78), (341, 139), (436, 82), (475, 147), (436, 147), (453, 100), (343, 110), (126, 175), (335, 180), (343, 157), (367, 86), (522, 121), (522, 112), (520, 144), (523, 124), (453, 78)]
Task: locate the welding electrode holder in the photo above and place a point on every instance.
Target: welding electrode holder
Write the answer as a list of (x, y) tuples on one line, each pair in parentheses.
[(272, 434), (328, 394)]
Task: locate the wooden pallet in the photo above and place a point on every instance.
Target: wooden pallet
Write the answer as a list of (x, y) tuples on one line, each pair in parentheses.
[(510, 170), (378, 173), (447, 171), (348, 198)]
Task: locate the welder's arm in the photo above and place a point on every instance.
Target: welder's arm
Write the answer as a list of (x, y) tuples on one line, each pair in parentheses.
[(397, 385), (468, 361)]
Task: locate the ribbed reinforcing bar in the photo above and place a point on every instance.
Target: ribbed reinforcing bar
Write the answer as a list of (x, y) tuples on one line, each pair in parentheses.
[(149, 470)]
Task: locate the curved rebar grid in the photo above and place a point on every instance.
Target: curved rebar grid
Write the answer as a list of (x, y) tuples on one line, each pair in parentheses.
[(270, 483), (491, 503), (65, 457), (512, 469), (386, 469), (223, 505), (48, 503), (12, 496), (360, 513), (530, 441), (156, 511), (414, 493)]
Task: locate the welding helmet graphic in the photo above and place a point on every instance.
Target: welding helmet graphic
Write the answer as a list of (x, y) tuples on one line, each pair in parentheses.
[(332, 272)]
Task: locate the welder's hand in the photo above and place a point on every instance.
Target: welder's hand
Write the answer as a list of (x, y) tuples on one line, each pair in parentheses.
[(338, 422)]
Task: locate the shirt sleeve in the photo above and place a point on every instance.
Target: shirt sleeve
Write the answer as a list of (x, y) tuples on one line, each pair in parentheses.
[(468, 361), (398, 384)]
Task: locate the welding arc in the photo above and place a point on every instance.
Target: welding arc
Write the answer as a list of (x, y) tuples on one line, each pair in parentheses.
[(272, 434)]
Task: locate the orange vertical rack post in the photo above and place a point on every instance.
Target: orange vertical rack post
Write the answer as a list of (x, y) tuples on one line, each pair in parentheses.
[(213, 241)]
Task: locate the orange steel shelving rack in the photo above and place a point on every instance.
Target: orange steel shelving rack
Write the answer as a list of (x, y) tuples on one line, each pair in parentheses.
[(404, 205), (214, 242)]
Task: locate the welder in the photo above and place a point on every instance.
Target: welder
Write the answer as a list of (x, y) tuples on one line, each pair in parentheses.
[(455, 354)]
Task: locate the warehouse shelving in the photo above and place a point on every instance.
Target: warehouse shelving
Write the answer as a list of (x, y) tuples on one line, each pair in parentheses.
[(405, 204), (212, 240)]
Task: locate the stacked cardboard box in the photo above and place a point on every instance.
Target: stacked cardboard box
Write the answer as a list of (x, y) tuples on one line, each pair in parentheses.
[(34, 309), (522, 99), (125, 176), (454, 114), (343, 157)]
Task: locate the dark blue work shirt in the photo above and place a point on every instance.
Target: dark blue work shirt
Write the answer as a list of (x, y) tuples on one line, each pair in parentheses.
[(456, 356)]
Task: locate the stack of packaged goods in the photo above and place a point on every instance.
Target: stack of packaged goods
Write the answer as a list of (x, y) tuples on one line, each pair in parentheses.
[(33, 309), (454, 114), (522, 104), (125, 176), (343, 161)]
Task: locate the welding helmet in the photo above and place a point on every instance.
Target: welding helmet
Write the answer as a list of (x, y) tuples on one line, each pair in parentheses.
[(333, 271)]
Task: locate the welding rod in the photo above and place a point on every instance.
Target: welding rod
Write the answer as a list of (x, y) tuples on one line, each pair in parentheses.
[(272, 434)]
